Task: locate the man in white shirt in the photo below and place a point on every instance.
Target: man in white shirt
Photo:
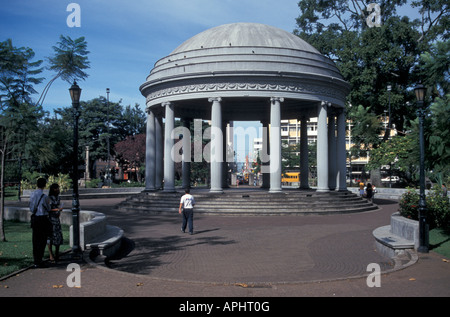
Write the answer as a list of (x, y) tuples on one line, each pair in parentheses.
[(187, 204), (39, 207)]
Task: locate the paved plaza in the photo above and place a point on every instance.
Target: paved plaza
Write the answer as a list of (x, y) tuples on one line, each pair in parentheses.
[(275, 256)]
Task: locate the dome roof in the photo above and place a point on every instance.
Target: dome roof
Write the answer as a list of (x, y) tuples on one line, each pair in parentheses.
[(244, 60), (245, 35)]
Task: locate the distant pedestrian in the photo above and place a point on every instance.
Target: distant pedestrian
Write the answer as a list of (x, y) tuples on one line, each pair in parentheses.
[(444, 190), (361, 189), (40, 222), (186, 209), (369, 192)]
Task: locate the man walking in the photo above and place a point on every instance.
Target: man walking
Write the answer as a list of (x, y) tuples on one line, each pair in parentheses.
[(39, 207), (187, 210)]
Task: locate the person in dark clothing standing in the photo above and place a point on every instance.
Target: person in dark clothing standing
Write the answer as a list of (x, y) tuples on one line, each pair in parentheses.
[(40, 207), (369, 192), (56, 238)]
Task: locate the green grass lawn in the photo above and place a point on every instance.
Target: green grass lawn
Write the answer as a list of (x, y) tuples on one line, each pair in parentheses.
[(17, 252), (440, 242)]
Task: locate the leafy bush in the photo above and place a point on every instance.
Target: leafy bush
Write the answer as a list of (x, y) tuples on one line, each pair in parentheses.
[(409, 204), (29, 182), (63, 180), (93, 183), (438, 207)]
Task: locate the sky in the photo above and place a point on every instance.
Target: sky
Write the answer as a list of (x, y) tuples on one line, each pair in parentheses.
[(125, 38)]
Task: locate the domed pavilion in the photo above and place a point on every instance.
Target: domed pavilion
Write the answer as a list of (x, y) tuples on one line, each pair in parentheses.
[(248, 72)]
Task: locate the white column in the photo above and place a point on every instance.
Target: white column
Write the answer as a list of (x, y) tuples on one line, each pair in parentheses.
[(341, 152), (322, 148), (304, 164), (150, 153), (159, 153), (169, 165), (216, 145), (225, 157), (275, 145), (186, 154), (265, 155), (331, 151)]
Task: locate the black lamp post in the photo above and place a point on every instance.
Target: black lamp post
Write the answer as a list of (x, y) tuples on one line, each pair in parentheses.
[(423, 226), (75, 93)]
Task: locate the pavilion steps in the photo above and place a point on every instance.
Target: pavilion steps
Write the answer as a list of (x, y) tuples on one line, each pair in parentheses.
[(250, 202)]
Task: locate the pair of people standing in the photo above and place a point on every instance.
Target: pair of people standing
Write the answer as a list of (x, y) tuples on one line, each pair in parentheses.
[(366, 191), (45, 222)]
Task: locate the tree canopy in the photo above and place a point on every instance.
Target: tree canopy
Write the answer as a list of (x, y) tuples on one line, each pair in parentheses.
[(399, 53)]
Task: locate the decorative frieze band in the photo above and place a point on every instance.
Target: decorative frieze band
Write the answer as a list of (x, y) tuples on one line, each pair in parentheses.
[(248, 87)]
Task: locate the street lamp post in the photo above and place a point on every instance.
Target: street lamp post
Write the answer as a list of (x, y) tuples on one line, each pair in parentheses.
[(423, 226), (108, 169), (389, 88), (75, 93)]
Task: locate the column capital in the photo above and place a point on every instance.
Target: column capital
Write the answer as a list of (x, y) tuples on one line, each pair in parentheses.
[(275, 99), (215, 99), (167, 103)]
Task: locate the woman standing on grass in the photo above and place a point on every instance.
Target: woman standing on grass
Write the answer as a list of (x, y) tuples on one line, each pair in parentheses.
[(56, 238)]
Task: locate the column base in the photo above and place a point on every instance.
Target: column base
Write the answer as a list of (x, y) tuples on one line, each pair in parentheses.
[(323, 190), (275, 190), (216, 191)]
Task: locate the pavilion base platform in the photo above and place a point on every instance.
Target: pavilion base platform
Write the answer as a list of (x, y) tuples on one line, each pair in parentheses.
[(251, 201)]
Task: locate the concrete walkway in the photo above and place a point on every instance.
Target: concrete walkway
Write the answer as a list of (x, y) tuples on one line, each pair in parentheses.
[(280, 256)]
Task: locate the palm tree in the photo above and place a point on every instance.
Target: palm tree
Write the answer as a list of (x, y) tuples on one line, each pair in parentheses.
[(69, 61)]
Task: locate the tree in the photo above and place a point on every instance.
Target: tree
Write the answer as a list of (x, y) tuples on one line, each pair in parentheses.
[(437, 135), (131, 152), (69, 62), (365, 132), (399, 153), (133, 121), (98, 120), (400, 53), (18, 119), (370, 59), (16, 73)]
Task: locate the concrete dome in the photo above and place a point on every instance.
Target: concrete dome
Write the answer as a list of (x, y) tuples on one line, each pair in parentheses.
[(245, 60), (244, 35)]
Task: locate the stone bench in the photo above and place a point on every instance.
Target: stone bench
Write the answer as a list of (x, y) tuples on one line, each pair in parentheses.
[(95, 234), (400, 236)]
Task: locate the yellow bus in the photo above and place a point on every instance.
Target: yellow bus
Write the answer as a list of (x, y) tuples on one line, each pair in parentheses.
[(290, 177)]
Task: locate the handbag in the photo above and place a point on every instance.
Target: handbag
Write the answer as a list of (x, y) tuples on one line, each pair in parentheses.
[(33, 214)]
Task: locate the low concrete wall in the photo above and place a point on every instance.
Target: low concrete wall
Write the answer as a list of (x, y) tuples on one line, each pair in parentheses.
[(405, 228), (398, 238), (91, 192), (92, 225), (386, 193)]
